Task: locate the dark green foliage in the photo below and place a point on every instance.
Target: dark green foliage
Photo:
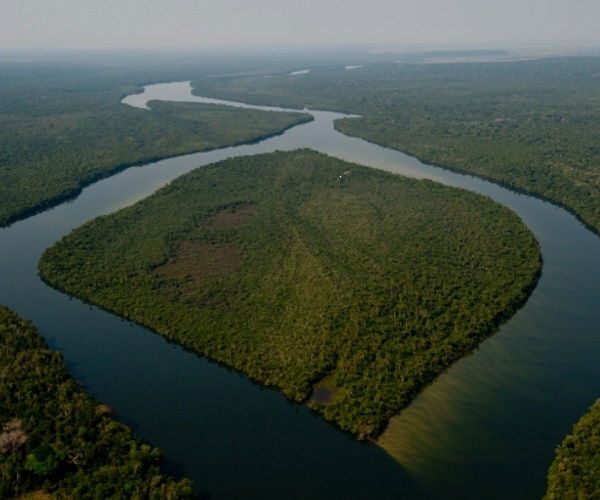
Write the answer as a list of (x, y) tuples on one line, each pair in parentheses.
[(56, 137), (44, 460), (530, 125), (575, 472), (56, 438), (296, 266)]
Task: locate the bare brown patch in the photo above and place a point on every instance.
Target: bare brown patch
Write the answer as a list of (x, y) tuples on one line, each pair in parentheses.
[(323, 391), (322, 394), (231, 218), (198, 263), (36, 495), (103, 409)]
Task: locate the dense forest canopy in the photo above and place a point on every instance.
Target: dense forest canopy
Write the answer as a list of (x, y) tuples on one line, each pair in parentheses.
[(62, 128), (56, 439), (298, 268), (575, 472), (530, 125)]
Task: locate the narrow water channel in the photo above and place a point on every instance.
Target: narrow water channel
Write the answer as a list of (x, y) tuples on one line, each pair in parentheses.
[(487, 428)]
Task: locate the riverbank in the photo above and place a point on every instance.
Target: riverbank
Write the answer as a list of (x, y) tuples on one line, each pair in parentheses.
[(57, 439), (75, 136), (531, 125)]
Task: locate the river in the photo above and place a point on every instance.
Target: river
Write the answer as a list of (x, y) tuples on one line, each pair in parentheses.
[(486, 428)]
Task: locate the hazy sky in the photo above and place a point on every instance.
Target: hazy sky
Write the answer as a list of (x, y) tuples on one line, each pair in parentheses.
[(81, 24)]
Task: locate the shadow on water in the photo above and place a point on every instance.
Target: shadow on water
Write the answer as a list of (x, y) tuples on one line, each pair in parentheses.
[(484, 429)]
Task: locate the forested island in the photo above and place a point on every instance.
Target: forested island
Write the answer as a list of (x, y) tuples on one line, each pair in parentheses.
[(575, 472), (529, 125), (305, 271), (61, 132), (58, 442)]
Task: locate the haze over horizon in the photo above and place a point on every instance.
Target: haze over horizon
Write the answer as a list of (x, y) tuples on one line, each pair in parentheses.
[(180, 24)]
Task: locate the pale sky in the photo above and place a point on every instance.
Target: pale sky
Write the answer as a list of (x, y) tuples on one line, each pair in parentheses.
[(132, 24)]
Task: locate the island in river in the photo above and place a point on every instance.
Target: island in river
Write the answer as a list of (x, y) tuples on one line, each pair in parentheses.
[(300, 270)]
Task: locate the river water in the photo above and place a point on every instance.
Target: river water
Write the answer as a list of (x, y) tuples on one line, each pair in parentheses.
[(486, 428)]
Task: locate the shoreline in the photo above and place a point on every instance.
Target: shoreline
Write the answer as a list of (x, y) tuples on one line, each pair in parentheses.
[(73, 193)]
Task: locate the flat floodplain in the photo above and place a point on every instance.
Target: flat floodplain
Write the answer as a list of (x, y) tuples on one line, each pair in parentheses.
[(300, 269)]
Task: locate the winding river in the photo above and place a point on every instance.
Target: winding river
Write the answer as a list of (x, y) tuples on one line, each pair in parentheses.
[(486, 428)]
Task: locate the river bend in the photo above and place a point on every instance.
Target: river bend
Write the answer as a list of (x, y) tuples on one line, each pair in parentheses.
[(486, 428)]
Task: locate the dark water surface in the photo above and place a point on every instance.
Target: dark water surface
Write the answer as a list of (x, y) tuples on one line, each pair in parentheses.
[(485, 429)]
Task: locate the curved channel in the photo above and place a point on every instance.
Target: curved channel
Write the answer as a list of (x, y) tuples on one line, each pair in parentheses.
[(486, 428)]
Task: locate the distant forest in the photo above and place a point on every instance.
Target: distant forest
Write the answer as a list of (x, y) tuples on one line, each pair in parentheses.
[(530, 125), (297, 268), (63, 128)]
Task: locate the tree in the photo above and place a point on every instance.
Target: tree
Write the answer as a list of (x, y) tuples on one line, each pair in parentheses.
[(12, 437)]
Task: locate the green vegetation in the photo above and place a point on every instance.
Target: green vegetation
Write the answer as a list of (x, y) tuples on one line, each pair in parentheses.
[(57, 136), (297, 267), (55, 439), (575, 472), (533, 126)]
